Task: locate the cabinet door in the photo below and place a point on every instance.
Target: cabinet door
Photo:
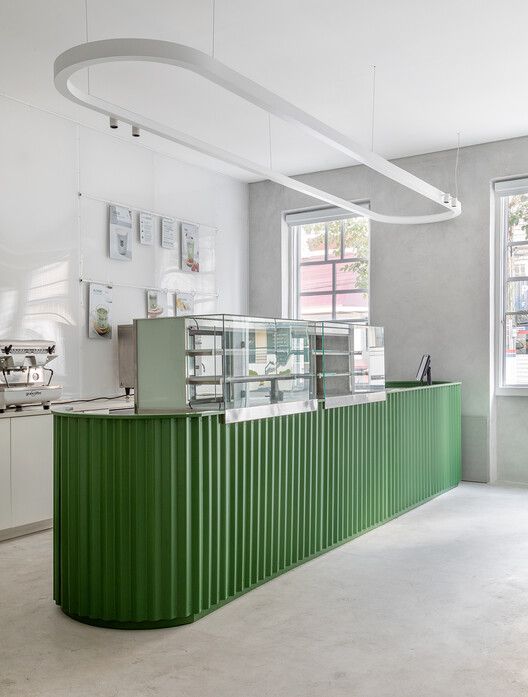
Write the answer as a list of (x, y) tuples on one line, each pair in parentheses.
[(5, 474), (32, 468)]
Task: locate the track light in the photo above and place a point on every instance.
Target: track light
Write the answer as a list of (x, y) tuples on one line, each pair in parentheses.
[(447, 198), (135, 131), (454, 202), (113, 122)]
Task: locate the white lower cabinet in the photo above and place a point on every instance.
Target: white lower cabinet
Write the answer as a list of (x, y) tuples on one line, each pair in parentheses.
[(5, 474), (31, 469), (26, 474)]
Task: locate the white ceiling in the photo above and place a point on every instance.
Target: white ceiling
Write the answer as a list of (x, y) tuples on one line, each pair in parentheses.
[(442, 67)]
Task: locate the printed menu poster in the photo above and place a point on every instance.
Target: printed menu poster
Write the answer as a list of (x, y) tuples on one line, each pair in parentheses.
[(100, 311), (184, 303), (156, 303), (168, 233), (190, 247), (146, 228), (120, 233)]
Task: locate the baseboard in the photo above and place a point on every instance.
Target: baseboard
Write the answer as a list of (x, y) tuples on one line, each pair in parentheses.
[(19, 530)]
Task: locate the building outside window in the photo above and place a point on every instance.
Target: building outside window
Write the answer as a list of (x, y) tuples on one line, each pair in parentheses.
[(329, 265), (512, 280)]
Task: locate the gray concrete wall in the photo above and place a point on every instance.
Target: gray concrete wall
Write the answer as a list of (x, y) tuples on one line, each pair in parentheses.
[(430, 284), (512, 439)]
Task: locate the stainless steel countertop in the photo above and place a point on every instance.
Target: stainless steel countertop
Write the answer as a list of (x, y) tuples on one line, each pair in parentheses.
[(92, 405)]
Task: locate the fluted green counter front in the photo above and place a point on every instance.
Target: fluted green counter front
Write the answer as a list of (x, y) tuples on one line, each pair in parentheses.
[(160, 519)]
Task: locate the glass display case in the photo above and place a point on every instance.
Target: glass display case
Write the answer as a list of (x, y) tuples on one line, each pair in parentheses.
[(245, 366), (350, 363)]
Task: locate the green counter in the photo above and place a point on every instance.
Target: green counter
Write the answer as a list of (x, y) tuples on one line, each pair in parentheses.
[(160, 519)]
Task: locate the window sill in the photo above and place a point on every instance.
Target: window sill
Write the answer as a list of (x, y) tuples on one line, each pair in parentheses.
[(511, 391)]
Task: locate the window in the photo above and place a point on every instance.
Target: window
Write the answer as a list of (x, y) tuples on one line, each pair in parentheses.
[(512, 280), (330, 265)]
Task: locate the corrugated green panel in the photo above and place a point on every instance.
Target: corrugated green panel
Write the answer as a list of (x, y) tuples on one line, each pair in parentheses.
[(122, 493), (160, 519)]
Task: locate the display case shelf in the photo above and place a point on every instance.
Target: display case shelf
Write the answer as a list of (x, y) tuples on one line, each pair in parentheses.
[(204, 380)]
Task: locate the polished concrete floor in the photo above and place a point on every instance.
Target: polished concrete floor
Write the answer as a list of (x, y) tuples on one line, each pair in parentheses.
[(433, 603)]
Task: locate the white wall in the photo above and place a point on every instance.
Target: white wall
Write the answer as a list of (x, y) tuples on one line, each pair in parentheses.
[(430, 284), (49, 238)]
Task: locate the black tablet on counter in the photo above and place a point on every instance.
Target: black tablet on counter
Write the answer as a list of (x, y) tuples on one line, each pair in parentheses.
[(424, 371)]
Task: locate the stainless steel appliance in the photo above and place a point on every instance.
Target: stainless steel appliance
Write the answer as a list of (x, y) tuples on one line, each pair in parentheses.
[(24, 375), (126, 348)]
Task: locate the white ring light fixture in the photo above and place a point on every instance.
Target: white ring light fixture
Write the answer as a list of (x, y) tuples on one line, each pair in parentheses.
[(166, 52)]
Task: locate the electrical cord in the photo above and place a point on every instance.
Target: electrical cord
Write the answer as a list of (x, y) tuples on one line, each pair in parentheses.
[(93, 399)]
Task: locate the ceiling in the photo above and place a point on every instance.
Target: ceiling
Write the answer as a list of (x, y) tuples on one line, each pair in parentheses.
[(457, 65)]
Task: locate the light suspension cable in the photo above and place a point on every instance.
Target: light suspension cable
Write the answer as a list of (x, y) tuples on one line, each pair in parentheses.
[(456, 164), (86, 39), (373, 107), (213, 19)]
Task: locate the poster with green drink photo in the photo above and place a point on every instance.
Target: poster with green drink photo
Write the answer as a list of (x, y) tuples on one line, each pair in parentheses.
[(190, 247), (100, 311)]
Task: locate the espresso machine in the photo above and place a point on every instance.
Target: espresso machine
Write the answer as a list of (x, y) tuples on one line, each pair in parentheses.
[(24, 375)]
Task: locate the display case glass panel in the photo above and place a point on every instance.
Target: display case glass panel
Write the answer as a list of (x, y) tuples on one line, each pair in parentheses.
[(350, 363), (267, 362), (245, 366)]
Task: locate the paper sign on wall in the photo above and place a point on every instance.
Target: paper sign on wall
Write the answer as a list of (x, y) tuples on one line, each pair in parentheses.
[(100, 311), (190, 247), (146, 228), (168, 233), (184, 304), (120, 233), (156, 303)]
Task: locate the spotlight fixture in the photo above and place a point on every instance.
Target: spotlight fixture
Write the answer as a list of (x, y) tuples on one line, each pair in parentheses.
[(454, 202), (135, 131), (447, 198), (113, 122)]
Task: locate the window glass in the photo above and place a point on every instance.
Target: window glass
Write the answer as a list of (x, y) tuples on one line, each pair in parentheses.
[(315, 306), (518, 218), (356, 238), (312, 242), (351, 275), (513, 315), (316, 278), (516, 350), (331, 260), (333, 231), (516, 296), (518, 260), (351, 306)]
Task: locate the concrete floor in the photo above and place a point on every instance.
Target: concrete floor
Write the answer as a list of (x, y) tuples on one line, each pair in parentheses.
[(433, 603)]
